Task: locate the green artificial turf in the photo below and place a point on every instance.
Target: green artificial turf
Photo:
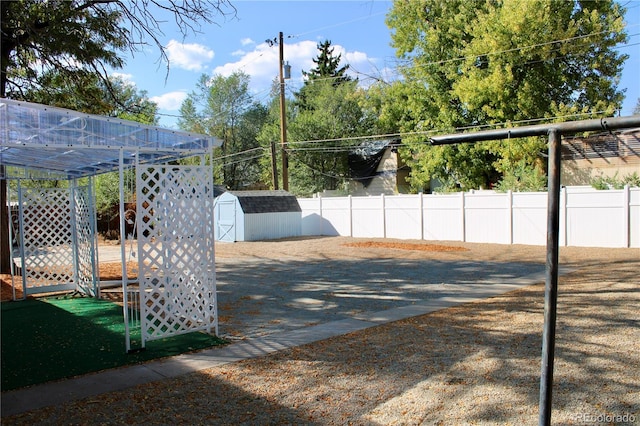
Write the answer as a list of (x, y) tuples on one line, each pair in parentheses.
[(56, 338)]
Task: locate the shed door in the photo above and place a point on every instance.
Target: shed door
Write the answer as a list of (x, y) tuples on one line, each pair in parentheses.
[(226, 220)]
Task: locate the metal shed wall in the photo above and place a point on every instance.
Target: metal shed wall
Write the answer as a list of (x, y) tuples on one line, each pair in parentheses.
[(257, 215)]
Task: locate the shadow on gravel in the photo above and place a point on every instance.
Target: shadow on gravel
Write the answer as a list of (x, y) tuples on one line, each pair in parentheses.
[(260, 297)]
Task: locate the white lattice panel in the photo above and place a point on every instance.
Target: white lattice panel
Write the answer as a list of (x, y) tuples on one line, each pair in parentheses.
[(47, 239), (175, 246), (59, 240), (85, 241)]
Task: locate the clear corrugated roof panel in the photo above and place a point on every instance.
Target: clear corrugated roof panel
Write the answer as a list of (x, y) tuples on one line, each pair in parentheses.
[(49, 140)]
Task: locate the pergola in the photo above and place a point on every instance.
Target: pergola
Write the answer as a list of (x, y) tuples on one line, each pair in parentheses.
[(54, 226)]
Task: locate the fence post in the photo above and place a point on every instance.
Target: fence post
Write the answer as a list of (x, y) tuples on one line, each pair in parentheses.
[(626, 205), (421, 210), (350, 216), (510, 207), (321, 214), (565, 211), (463, 214), (384, 216)]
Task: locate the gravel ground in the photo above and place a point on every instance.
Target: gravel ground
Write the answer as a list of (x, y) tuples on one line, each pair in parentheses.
[(477, 363)]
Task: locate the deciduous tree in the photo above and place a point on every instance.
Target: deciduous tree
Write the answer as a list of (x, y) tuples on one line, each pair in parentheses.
[(319, 137), (327, 113), (76, 37), (475, 63), (223, 107)]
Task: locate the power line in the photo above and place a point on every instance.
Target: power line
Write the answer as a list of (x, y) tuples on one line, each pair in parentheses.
[(242, 160), (457, 129), (241, 152), (362, 18), (265, 92)]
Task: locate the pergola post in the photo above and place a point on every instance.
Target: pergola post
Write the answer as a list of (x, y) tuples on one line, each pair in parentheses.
[(554, 131), (551, 278)]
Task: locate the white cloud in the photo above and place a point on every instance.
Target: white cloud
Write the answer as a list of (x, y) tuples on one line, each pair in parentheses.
[(127, 79), (123, 76), (261, 64), (246, 41), (356, 58), (170, 101), (190, 56)]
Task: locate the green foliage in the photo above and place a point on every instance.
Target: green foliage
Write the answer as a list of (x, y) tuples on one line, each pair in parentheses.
[(333, 114), (385, 104), (223, 107), (328, 65), (327, 68), (79, 37), (523, 178), (328, 110), (107, 192), (614, 182), (71, 37), (114, 97), (473, 63)]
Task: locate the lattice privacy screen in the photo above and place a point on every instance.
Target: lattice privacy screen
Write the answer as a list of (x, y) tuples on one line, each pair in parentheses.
[(175, 246), (57, 239), (85, 250)]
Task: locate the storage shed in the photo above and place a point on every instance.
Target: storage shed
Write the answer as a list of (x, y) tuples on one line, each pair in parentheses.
[(256, 215)]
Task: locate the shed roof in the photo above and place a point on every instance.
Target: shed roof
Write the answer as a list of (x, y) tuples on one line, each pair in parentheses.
[(43, 141), (278, 201)]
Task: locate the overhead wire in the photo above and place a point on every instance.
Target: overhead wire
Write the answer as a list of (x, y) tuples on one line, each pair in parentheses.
[(266, 92), (243, 160), (397, 70)]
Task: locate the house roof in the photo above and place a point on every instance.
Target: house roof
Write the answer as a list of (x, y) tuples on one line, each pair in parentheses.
[(40, 141), (623, 144), (364, 159), (267, 201)]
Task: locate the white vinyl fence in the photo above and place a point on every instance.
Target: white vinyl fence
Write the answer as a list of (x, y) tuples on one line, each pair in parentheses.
[(588, 217)]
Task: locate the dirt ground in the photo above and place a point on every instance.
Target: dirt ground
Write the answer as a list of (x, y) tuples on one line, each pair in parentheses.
[(319, 248), (477, 363)]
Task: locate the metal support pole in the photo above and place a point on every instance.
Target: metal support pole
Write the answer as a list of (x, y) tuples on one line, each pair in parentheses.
[(73, 219), (5, 223), (23, 259), (93, 239), (12, 266), (554, 131), (123, 254), (551, 279)]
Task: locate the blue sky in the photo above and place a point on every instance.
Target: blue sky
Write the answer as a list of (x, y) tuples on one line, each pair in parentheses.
[(356, 29)]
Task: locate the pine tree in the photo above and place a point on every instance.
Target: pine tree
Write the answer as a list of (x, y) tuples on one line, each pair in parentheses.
[(327, 65), (327, 69)]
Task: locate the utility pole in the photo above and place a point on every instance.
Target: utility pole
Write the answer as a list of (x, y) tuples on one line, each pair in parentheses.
[(274, 166), (283, 120)]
